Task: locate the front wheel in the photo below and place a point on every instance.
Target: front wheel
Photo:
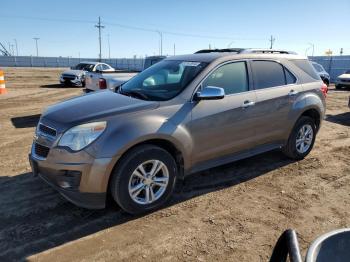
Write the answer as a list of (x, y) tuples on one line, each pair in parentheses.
[(301, 139), (144, 180)]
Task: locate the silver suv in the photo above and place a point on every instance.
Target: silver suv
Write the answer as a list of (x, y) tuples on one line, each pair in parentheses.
[(182, 115)]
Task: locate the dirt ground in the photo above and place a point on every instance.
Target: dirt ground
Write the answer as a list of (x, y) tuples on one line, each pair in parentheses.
[(231, 213)]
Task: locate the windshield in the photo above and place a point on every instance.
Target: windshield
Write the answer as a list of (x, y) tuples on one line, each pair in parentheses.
[(163, 80), (85, 67)]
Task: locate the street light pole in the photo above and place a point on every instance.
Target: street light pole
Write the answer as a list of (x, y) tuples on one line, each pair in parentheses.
[(36, 43), (16, 47), (161, 42), (109, 48)]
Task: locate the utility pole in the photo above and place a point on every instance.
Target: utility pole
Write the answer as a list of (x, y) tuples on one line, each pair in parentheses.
[(272, 41), (341, 51), (36, 43), (174, 48), (16, 46), (109, 48), (161, 43), (99, 26)]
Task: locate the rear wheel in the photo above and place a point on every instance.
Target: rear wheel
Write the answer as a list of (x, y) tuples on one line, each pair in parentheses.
[(301, 139), (144, 180)]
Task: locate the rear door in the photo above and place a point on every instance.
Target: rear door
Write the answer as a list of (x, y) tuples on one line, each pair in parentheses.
[(222, 127), (276, 90)]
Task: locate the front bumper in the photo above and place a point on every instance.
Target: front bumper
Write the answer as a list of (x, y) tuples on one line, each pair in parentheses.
[(342, 83), (74, 82), (79, 177)]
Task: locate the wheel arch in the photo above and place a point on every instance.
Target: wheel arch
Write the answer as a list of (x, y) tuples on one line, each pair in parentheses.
[(164, 143)]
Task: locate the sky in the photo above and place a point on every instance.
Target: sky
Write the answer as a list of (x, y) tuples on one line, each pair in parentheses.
[(67, 27)]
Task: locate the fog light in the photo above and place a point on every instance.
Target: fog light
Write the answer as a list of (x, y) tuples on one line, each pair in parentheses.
[(70, 179), (64, 184)]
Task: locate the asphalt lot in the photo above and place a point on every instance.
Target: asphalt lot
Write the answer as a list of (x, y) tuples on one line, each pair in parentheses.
[(231, 213)]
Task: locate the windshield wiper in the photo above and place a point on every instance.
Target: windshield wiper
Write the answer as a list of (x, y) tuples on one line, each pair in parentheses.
[(134, 93)]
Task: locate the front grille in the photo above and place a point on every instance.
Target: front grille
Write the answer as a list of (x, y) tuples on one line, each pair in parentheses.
[(47, 130), (41, 150), (345, 80), (68, 77)]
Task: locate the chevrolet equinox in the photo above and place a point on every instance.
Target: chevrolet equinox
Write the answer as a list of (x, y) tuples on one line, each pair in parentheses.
[(182, 115)]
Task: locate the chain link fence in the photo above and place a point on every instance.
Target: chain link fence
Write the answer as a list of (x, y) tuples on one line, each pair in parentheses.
[(334, 65), (132, 64)]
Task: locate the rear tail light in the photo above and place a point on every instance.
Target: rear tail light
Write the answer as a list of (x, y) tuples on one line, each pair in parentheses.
[(324, 89), (102, 83)]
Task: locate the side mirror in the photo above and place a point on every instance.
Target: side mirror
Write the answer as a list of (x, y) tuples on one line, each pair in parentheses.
[(332, 246), (210, 93)]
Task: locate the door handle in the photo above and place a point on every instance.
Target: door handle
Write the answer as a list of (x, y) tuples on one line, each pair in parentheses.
[(293, 93), (248, 103)]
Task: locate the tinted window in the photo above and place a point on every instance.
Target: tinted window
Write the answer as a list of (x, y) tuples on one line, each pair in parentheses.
[(99, 67), (318, 67), (231, 77), (290, 78), (268, 74), (105, 67), (305, 65)]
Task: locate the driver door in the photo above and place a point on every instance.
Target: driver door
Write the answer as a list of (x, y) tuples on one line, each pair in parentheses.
[(221, 128)]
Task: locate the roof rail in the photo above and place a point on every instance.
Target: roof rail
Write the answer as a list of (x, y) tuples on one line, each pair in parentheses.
[(225, 50), (245, 51), (266, 51)]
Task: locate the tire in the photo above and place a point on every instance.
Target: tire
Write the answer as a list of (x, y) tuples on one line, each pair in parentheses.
[(337, 87), (125, 181), (297, 152)]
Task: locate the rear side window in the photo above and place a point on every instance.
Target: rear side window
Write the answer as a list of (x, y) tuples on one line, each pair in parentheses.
[(305, 65), (268, 74), (231, 77)]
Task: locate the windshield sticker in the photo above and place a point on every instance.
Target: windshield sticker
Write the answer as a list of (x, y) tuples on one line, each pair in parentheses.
[(190, 63)]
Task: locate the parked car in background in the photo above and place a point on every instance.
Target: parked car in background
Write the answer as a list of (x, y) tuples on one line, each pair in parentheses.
[(343, 80), (180, 116), (322, 73), (103, 79), (76, 75)]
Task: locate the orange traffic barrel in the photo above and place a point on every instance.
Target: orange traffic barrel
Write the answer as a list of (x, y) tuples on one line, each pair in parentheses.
[(2, 83)]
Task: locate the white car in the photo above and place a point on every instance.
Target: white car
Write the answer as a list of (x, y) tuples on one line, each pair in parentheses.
[(343, 80), (76, 75)]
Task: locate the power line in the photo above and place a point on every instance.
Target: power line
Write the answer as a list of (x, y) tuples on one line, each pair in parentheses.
[(99, 26), (132, 28)]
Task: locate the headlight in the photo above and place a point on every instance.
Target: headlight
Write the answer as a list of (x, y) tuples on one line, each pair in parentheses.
[(80, 136)]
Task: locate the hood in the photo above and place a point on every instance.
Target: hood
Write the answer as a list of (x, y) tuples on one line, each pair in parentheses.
[(93, 106), (344, 76), (73, 72)]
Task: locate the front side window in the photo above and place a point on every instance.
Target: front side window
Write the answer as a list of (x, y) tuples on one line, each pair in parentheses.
[(163, 80), (231, 77)]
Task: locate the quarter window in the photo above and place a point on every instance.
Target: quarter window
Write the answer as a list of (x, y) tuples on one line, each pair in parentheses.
[(231, 77), (290, 78)]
